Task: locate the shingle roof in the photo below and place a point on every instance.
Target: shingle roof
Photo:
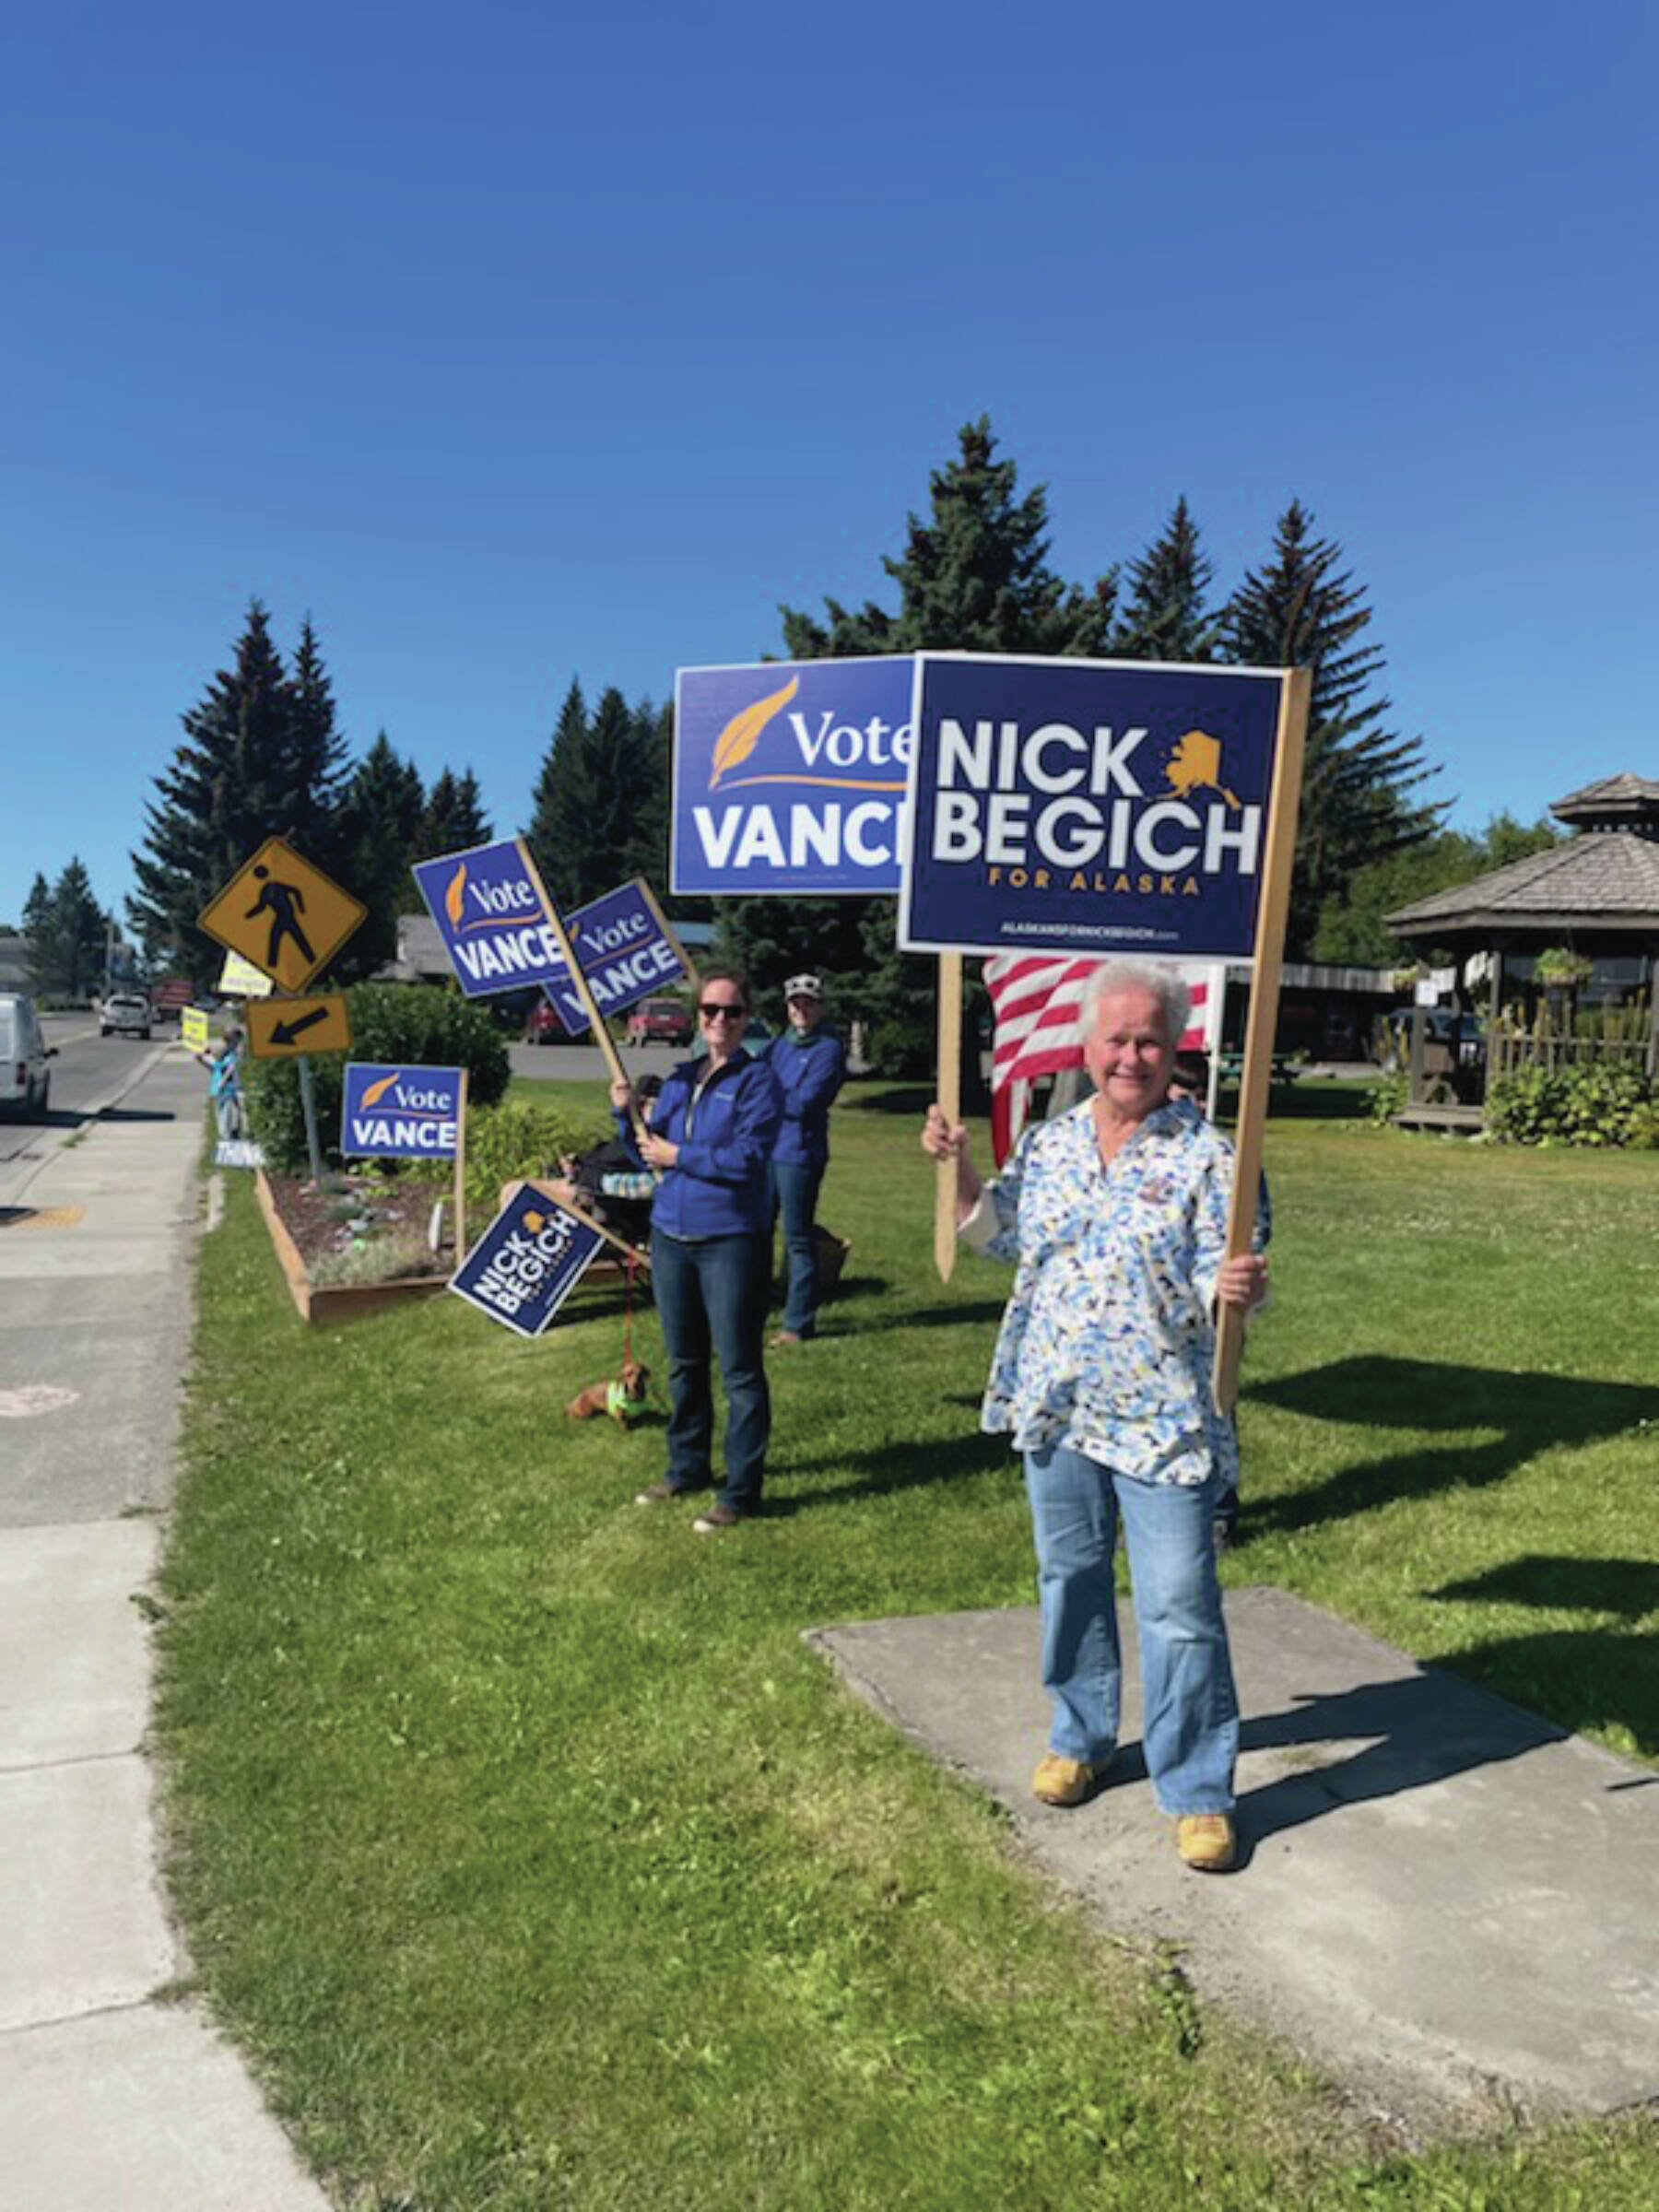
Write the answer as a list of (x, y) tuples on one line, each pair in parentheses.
[(1605, 876), (1617, 790)]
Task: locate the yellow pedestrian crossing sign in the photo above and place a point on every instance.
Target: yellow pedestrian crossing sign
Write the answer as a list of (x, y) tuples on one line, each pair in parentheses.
[(283, 914)]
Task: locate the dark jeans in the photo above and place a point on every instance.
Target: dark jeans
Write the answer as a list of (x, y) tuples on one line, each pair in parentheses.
[(710, 1294), (795, 1188)]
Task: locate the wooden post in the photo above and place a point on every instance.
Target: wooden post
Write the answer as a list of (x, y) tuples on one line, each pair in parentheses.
[(602, 1036), (950, 1106), (1256, 1077), (461, 1172)]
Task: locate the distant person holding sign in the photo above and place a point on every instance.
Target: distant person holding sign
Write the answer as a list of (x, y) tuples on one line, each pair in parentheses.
[(224, 1085), (810, 1062), (712, 1133), (1116, 1214)]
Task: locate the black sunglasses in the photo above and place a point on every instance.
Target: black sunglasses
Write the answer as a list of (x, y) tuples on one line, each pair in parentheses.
[(714, 1009)]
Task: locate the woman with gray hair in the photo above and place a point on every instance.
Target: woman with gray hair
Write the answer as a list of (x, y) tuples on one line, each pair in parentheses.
[(1116, 1214)]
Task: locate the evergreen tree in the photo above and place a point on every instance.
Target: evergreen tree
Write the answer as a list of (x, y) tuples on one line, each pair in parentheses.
[(599, 815), (561, 796), (380, 817), (38, 931), (254, 763), (67, 937), (453, 816), (974, 576), (1302, 610), (1165, 617), (319, 765)]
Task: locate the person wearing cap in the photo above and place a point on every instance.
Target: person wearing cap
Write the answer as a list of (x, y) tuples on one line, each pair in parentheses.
[(810, 1062)]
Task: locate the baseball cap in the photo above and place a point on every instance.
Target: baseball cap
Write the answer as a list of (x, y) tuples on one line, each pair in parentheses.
[(803, 986)]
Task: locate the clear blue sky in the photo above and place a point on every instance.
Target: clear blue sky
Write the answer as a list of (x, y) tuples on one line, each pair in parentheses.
[(518, 342)]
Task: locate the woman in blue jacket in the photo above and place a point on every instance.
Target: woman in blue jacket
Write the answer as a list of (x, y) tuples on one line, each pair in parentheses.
[(810, 1064), (712, 1133)]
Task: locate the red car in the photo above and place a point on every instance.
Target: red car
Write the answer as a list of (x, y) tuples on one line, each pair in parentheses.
[(544, 1026), (661, 1021)]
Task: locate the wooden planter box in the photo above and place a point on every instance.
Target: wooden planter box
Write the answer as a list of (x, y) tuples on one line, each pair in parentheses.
[(322, 1303)]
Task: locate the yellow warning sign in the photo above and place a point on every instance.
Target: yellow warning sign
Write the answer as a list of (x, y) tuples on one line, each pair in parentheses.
[(284, 915), (281, 1029)]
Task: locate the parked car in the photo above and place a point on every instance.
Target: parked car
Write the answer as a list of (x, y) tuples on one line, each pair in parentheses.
[(661, 1021), (126, 1014), (25, 1079)]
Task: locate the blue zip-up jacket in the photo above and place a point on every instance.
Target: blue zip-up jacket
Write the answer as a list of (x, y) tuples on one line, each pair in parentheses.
[(718, 1185), (811, 1067)]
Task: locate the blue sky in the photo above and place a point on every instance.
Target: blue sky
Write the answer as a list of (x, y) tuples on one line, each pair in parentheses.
[(515, 345)]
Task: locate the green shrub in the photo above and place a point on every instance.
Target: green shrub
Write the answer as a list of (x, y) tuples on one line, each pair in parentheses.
[(1388, 1095), (506, 1142), (1601, 1102), (423, 1025)]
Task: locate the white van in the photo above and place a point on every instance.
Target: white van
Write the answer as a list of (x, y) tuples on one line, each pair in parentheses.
[(25, 1080)]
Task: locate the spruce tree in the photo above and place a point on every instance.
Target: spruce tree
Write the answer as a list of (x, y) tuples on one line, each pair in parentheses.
[(380, 817), (242, 775), (975, 577), (1302, 609), (561, 793), (38, 931), (453, 816), (68, 934), (1165, 617), (319, 756)]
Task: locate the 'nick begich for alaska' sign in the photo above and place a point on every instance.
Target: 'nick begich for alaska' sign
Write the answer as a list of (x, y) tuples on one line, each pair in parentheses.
[(1087, 806)]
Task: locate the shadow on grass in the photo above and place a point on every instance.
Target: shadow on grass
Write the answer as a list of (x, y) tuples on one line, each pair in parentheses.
[(890, 1468), (1532, 1413), (1311, 1101)]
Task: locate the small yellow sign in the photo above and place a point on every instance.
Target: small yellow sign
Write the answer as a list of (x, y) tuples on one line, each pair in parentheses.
[(193, 1027), (284, 915), (281, 1029)]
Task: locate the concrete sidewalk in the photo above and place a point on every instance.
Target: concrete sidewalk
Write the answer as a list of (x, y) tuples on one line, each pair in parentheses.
[(1447, 1903), (110, 2095)]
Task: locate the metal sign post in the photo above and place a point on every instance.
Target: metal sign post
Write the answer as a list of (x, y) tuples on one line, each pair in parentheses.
[(950, 1106)]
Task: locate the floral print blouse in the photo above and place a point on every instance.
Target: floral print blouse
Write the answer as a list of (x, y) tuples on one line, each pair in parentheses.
[(1107, 1341)]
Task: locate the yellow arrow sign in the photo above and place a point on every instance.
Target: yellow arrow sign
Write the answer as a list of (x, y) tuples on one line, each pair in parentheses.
[(281, 1029), (284, 915)]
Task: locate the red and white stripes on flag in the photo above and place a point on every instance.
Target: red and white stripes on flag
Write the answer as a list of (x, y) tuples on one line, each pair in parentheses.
[(1038, 1002)]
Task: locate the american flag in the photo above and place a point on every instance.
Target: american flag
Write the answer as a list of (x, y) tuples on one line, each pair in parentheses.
[(1038, 1001)]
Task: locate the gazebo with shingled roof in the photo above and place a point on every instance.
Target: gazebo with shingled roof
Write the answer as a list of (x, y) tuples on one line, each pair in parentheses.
[(1597, 895)]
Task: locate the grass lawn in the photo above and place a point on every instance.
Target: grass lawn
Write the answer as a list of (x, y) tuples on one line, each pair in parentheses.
[(535, 1861)]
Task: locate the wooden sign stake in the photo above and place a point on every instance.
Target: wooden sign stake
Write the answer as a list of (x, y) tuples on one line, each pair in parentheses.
[(602, 1036), (461, 1172), (1256, 1076), (950, 1106)]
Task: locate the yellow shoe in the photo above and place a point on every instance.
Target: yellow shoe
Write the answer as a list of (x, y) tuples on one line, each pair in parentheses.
[(1207, 1841), (1063, 1780)]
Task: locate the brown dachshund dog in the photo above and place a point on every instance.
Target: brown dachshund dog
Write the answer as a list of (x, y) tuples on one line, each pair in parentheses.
[(623, 1396)]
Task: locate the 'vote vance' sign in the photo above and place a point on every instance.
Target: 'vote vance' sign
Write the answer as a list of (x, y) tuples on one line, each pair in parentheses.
[(490, 911), (401, 1113), (626, 950), (789, 777), (1082, 806)]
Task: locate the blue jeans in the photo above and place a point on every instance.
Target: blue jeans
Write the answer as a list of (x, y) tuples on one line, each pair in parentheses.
[(710, 1295), (795, 1188), (1191, 1727)]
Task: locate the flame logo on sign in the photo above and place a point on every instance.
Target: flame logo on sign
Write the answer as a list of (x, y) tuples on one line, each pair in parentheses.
[(742, 734), (377, 1091), (455, 895), (1196, 765), (536, 1223)]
